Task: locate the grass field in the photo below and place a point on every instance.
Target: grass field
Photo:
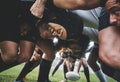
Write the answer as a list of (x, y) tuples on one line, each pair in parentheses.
[(11, 74)]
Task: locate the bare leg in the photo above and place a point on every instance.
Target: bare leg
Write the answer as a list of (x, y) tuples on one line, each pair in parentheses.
[(26, 51), (13, 58), (9, 51), (79, 65), (9, 54)]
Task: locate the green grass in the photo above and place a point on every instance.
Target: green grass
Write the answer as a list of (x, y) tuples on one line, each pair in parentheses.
[(11, 74)]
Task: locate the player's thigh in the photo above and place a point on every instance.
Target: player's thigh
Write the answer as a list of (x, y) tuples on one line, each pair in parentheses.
[(26, 50), (47, 47), (9, 50)]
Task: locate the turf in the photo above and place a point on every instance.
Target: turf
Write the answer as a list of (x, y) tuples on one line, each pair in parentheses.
[(11, 74)]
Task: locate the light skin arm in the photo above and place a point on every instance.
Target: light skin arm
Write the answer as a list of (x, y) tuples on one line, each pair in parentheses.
[(77, 4)]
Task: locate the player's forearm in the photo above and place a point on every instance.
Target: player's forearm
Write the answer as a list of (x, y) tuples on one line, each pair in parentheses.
[(76, 4), (66, 4)]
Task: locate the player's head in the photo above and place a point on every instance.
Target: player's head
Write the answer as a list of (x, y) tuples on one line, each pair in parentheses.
[(113, 7), (51, 30), (49, 26)]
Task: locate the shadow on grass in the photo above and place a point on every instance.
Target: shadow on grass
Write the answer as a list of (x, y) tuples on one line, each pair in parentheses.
[(8, 78)]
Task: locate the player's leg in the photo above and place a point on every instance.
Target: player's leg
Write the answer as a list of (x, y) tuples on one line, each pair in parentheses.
[(9, 54), (9, 40), (65, 70), (57, 66), (86, 69), (26, 45), (45, 64), (30, 65), (92, 61), (26, 49)]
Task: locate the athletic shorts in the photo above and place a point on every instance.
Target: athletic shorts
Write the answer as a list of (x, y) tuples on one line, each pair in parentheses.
[(103, 19), (26, 17), (77, 56), (8, 17), (64, 55), (74, 56)]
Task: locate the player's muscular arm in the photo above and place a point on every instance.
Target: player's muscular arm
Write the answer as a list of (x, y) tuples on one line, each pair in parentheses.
[(77, 4)]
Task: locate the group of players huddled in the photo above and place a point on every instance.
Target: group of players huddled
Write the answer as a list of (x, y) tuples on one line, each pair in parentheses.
[(34, 30)]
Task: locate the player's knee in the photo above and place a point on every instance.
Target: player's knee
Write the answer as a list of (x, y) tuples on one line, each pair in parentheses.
[(48, 55), (10, 58), (84, 61), (23, 58)]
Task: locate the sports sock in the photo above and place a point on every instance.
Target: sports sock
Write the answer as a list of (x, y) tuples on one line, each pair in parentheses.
[(101, 76), (28, 67), (65, 70), (86, 72), (45, 66)]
